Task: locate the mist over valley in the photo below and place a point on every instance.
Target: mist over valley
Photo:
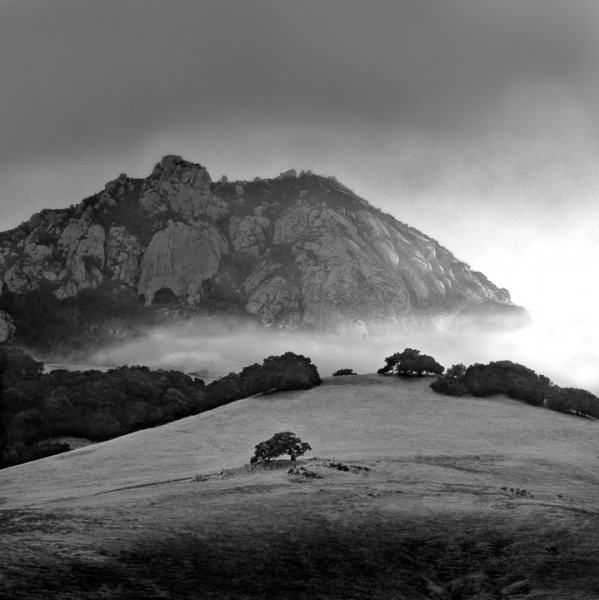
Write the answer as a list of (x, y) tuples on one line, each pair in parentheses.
[(212, 348)]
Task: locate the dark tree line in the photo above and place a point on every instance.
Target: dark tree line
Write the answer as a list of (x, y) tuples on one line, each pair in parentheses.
[(287, 372), (518, 382), (500, 377), (36, 408)]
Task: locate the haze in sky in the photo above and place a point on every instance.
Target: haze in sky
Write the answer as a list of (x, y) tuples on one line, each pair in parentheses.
[(475, 121)]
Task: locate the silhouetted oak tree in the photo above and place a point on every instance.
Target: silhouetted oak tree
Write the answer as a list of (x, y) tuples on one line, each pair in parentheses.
[(411, 362), (280, 444)]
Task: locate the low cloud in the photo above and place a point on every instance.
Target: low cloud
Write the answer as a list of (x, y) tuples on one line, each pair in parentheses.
[(566, 353)]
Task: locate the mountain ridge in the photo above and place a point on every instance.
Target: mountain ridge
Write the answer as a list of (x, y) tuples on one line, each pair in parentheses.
[(295, 251)]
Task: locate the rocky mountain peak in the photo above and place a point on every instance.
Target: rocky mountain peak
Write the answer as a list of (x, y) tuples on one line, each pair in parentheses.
[(298, 250), (182, 187)]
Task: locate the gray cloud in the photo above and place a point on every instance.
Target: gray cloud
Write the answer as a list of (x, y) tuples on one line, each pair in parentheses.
[(78, 73)]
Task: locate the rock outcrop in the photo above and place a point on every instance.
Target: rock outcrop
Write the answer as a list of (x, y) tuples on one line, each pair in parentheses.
[(183, 188), (7, 327), (295, 251), (123, 255), (180, 258), (82, 244), (248, 234)]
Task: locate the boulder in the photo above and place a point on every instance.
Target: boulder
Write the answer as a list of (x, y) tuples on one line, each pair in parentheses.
[(35, 220), (38, 254), (49, 275), (7, 327), (22, 278), (82, 244), (503, 296), (180, 258), (248, 234), (68, 290), (290, 173), (182, 187), (50, 218)]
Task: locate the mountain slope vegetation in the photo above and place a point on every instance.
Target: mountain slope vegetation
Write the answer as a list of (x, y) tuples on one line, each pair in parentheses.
[(38, 409)]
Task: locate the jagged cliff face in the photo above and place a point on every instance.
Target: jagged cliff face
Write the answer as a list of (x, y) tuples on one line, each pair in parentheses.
[(294, 251)]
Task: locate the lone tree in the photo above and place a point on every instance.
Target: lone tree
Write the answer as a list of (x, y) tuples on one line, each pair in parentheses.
[(411, 362), (343, 372), (456, 372), (280, 444)]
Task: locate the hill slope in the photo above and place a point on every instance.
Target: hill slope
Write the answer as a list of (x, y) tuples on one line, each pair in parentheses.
[(454, 496), (293, 251)]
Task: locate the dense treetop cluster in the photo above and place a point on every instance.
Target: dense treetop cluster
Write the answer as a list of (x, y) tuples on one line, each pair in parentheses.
[(36, 408), (411, 362), (518, 382), (500, 377)]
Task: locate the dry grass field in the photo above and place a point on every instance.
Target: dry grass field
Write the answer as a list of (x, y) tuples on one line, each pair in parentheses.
[(444, 499)]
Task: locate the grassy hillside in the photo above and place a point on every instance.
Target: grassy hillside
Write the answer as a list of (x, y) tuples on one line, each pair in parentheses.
[(429, 519)]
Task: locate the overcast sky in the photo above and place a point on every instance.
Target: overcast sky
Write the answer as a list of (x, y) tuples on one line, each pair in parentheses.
[(475, 121)]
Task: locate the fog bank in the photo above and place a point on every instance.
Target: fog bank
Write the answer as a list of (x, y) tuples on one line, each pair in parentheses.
[(566, 353)]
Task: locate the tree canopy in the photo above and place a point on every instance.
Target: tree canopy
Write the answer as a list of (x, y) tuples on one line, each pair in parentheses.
[(411, 362), (341, 372), (38, 407), (518, 382), (280, 444)]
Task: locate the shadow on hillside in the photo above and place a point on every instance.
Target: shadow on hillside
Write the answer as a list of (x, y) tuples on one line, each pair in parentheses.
[(365, 557)]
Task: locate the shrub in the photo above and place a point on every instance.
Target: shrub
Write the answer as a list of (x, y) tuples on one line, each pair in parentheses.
[(515, 381), (343, 372), (221, 297), (456, 371), (505, 377), (448, 386), (575, 401), (237, 265), (287, 372), (501, 377)]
